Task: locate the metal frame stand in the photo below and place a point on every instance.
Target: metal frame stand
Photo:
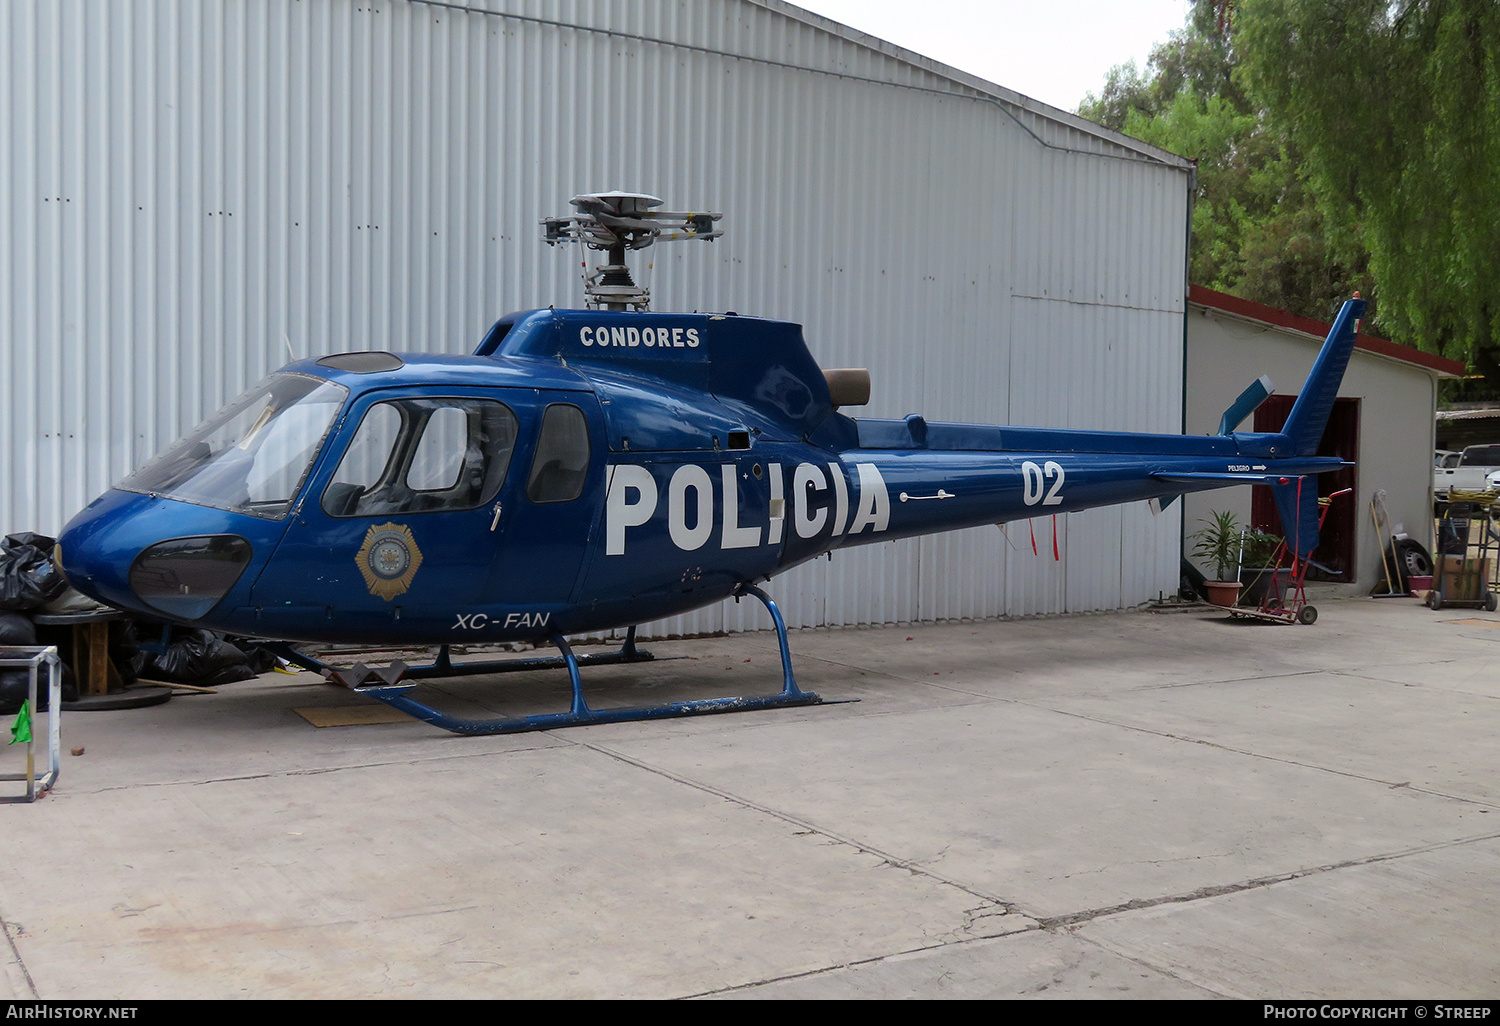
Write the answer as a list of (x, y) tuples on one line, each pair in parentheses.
[(390, 684), (32, 658)]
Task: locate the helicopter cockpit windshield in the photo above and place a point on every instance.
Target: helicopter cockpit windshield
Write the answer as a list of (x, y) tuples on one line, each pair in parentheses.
[(251, 456)]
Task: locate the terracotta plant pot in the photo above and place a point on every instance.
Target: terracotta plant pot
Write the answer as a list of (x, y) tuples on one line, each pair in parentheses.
[(1223, 593)]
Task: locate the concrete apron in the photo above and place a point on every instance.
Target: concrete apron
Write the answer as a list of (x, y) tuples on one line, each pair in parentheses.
[(1119, 805)]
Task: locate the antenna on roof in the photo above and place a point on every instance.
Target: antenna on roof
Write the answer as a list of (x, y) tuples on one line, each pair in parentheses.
[(617, 222)]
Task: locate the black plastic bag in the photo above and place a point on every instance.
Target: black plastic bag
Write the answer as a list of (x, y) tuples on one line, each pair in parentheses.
[(17, 631), (200, 657), (15, 684), (259, 658), (27, 577)]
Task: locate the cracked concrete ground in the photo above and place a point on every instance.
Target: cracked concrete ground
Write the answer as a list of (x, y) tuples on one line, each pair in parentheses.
[(1121, 805)]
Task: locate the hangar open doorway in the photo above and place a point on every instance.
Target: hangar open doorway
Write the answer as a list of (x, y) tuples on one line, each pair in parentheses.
[(1335, 559)]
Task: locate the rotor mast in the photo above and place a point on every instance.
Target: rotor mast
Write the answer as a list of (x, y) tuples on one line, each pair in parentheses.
[(615, 223)]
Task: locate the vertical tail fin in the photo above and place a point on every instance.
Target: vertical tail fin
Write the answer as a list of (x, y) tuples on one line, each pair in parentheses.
[(1309, 416), (1298, 505)]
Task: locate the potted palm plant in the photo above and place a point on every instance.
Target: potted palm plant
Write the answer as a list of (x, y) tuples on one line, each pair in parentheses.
[(1218, 546)]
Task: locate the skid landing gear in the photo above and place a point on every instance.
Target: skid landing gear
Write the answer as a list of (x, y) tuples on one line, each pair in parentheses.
[(390, 684)]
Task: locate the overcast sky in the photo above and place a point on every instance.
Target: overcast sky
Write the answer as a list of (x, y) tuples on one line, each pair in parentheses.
[(1053, 52)]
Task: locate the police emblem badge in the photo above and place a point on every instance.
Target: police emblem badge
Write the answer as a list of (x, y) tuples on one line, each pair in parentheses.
[(388, 559)]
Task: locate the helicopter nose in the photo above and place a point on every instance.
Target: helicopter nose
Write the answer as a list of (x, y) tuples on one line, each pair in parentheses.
[(78, 556), (182, 577)]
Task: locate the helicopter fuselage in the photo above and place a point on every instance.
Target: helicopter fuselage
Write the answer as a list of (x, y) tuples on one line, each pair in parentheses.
[(581, 471)]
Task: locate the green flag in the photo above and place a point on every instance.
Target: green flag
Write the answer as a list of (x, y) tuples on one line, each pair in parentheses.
[(21, 729)]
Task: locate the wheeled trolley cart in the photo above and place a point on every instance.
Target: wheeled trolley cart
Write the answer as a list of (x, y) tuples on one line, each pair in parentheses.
[(1286, 595), (1466, 551)]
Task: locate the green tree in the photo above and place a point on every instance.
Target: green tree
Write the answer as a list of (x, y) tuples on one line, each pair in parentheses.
[(1257, 231), (1395, 107)]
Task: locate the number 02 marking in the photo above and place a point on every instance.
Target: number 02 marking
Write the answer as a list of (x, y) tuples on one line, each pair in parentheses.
[(1035, 478)]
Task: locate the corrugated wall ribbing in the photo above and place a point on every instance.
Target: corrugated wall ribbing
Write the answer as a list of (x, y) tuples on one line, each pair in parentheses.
[(188, 188)]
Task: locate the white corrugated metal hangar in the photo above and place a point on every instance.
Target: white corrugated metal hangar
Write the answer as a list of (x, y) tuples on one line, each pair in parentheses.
[(190, 189)]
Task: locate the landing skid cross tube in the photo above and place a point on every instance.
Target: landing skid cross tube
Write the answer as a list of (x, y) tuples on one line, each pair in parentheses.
[(390, 684)]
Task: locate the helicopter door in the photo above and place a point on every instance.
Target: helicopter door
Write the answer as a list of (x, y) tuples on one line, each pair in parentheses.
[(405, 522), (556, 508)]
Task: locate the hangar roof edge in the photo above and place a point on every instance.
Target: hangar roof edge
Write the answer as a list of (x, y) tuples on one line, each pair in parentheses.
[(964, 78), (1206, 297)]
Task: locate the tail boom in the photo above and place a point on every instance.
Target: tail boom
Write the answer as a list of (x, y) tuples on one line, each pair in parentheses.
[(928, 492), (943, 477)]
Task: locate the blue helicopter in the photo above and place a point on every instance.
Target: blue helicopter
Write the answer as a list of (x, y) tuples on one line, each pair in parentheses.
[(588, 470)]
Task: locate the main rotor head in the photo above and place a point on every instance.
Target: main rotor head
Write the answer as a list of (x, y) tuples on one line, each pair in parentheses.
[(617, 222)]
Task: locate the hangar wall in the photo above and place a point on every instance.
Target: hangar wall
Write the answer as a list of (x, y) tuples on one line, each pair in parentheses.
[(191, 188)]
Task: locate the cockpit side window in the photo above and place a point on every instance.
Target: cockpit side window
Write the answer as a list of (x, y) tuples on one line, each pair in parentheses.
[(561, 462), (440, 455), (370, 453), (423, 455)]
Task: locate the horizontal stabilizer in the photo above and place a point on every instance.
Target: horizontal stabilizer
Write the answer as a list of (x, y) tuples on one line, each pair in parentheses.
[(1227, 478), (1248, 402)]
